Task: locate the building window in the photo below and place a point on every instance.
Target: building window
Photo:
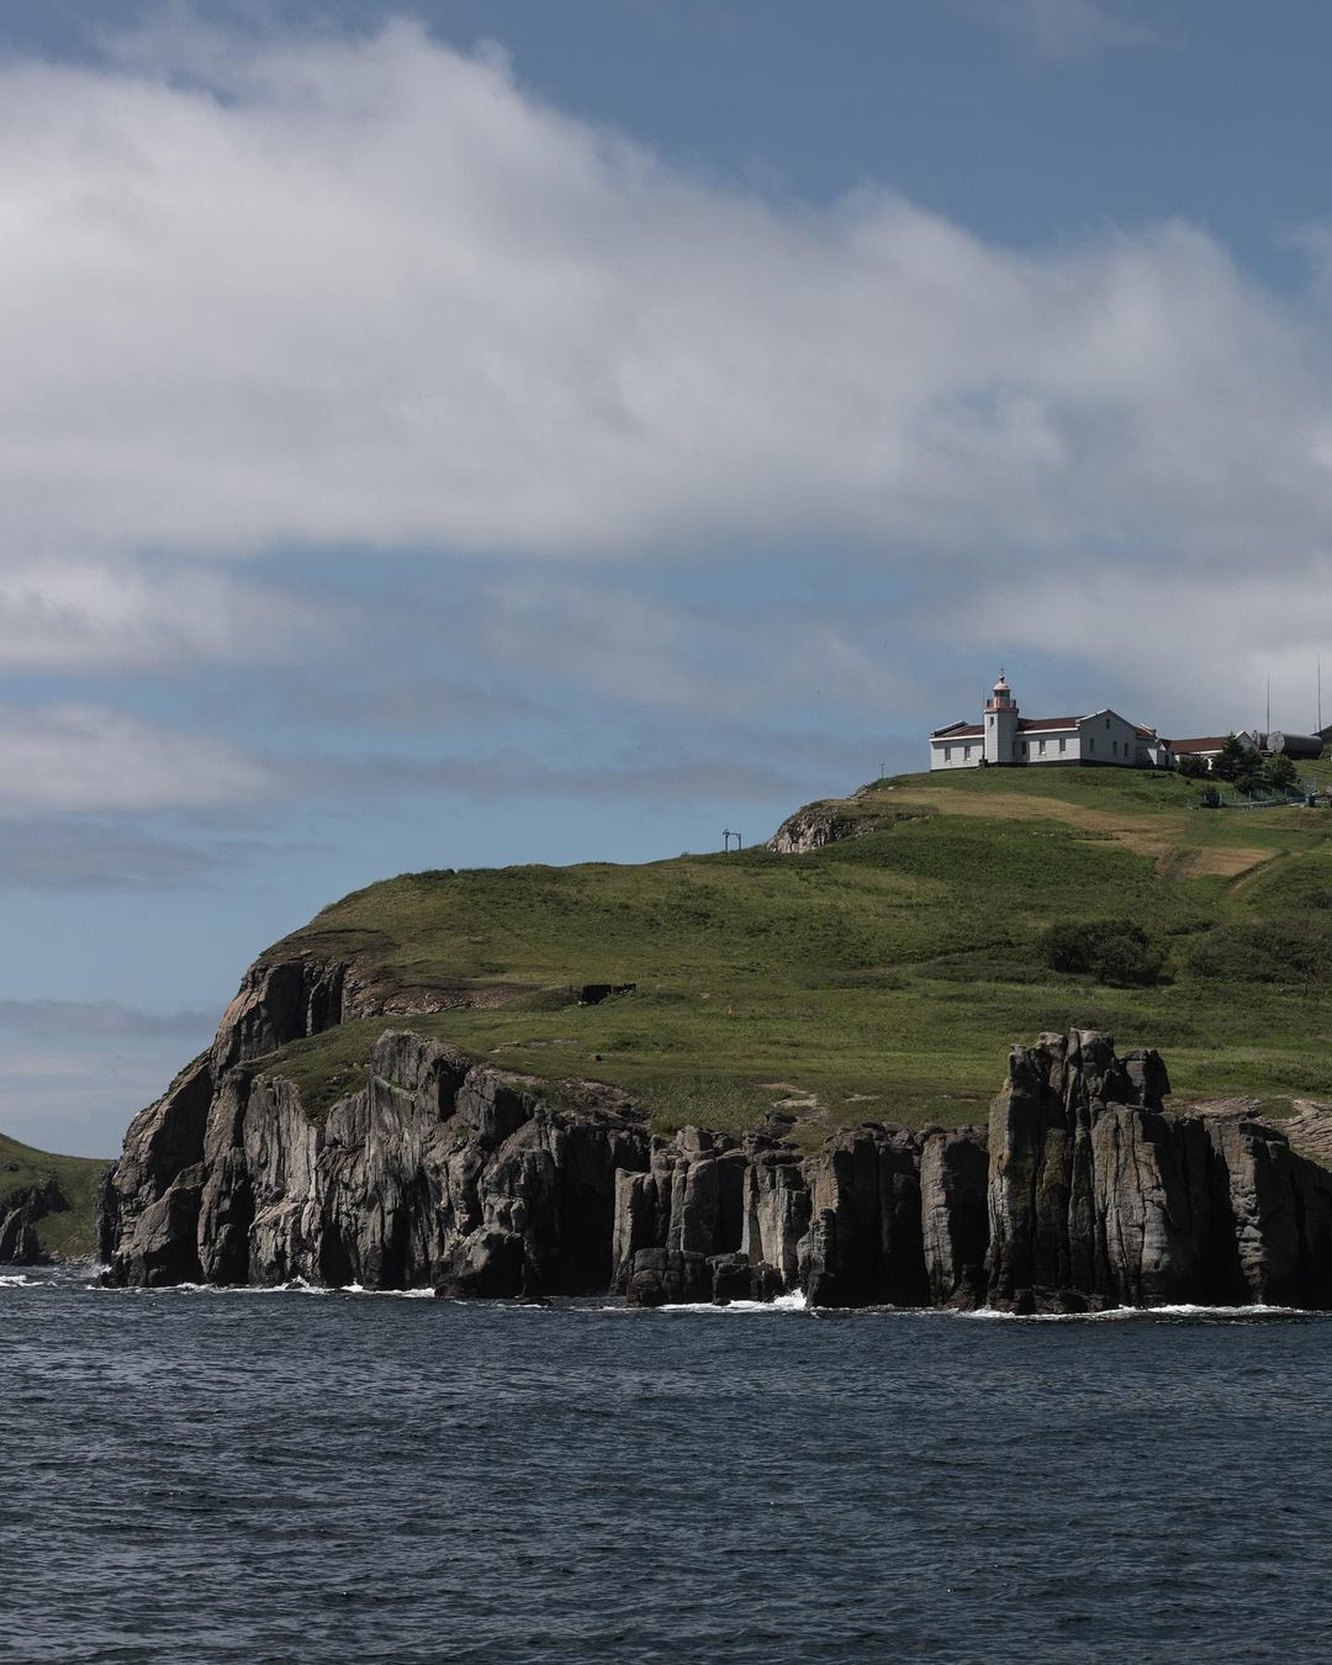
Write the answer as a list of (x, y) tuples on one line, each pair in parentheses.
[(948, 754), (1042, 748), (966, 753), (1091, 742), (1063, 745), (1107, 722)]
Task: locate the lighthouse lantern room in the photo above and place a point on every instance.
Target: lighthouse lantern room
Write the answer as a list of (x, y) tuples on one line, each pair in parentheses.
[(1001, 724)]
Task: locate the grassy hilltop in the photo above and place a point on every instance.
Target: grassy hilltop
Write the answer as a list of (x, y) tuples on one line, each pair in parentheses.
[(882, 977)]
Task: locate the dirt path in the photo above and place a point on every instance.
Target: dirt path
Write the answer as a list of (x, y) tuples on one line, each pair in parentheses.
[(1159, 837)]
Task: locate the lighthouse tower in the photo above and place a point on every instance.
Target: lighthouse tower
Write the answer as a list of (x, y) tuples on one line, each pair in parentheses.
[(1001, 724)]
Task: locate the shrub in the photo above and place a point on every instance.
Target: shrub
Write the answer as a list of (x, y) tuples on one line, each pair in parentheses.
[(1114, 951), (1293, 951), (1281, 773)]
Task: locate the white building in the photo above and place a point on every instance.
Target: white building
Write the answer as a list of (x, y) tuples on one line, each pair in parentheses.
[(1005, 738)]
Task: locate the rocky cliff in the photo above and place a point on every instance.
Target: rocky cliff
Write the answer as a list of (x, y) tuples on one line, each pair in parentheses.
[(21, 1209), (813, 828), (1083, 1193), (1099, 1197), (435, 1172)]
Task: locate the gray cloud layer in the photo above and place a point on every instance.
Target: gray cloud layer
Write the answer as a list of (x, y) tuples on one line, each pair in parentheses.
[(63, 1019)]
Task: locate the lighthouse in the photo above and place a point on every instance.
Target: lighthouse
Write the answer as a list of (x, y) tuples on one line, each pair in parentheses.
[(1001, 724)]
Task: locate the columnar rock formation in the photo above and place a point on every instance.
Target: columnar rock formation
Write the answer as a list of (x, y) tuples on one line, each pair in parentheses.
[(1098, 1197), (1083, 1193), (878, 1216)]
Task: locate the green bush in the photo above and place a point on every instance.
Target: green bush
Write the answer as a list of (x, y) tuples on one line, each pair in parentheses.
[(1115, 951), (1280, 773), (1294, 950)]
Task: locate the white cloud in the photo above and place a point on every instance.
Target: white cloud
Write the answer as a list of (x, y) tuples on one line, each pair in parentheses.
[(370, 291), (80, 615), (1067, 28), (88, 759), (1189, 656)]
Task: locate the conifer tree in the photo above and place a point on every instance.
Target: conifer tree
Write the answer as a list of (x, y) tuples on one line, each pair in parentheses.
[(1235, 758)]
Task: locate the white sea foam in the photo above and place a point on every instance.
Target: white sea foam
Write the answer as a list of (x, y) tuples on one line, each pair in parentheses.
[(1123, 1315), (294, 1286), (394, 1294), (794, 1302), (18, 1280)]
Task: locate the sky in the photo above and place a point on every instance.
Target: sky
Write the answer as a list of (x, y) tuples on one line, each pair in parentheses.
[(540, 432)]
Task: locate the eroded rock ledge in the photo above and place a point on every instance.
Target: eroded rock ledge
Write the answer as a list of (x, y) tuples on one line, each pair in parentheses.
[(1083, 1192)]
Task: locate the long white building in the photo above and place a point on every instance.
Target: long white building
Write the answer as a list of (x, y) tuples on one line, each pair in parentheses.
[(1005, 738)]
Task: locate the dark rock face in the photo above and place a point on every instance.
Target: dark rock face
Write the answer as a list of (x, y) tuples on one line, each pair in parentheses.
[(20, 1211), (955, 1221), (277, 1003), (678, 1227), (163, 1141), (1083, 1193), (1275, 1212), (715, 1220), (164, 1248), (19, 1243), (1098, 1197), (436, 1173), (865, 1246)]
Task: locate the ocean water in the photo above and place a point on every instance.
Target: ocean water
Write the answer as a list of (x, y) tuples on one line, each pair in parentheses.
[(291, 1477)]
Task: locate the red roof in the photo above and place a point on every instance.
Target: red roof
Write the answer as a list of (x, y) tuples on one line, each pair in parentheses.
[(1027, 723), (1210, 743)]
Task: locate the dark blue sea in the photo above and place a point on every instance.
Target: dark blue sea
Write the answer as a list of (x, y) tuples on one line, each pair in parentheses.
[(292, 1477)]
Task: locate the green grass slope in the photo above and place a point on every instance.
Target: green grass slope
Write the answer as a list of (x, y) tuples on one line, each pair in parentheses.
[(70, 1234), (882, 977)]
